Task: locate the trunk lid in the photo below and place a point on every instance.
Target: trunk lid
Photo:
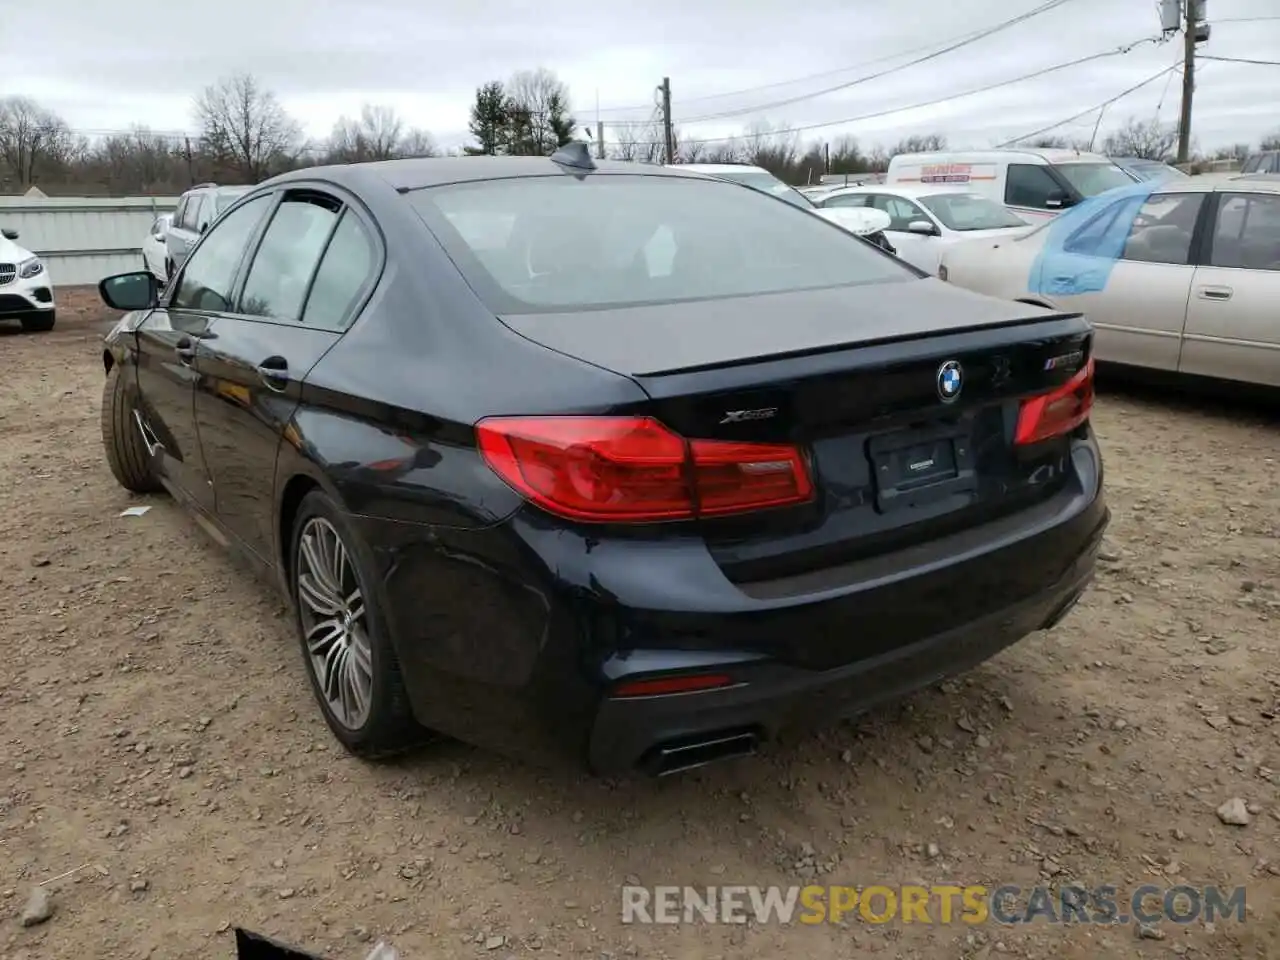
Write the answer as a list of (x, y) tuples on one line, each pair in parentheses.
[(865, 382)]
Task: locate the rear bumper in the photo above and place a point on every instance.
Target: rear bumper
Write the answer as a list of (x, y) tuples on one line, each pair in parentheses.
[(772, 697), (512, 637)]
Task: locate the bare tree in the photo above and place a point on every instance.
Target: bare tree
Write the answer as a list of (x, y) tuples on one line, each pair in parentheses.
[(1237, 151), (376, 135), (878, 159), (727, 151), (1148, 140), (33, 140), (245, 128), (919, 143), (418, 143), (539, 113), (640, 141), (845, 156), (1271, 141), (137, 162), (1058, 143), (775, 149)]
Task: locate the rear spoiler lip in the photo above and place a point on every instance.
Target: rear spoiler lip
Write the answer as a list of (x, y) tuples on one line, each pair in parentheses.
[(1068, 324)]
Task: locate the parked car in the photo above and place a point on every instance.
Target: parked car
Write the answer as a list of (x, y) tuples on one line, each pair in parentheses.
[(1268, 161), (1036, 184), (197, 208), (26, 293), (1179, 275), (155, 251), (531, 485), (870, 228), (1140, 169), (926, 220)]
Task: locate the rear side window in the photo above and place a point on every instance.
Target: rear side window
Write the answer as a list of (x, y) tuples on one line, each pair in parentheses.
[(847, 200), (1247, 234), (541, 244), (1030, 185), (345, 270), (286, 259), (195, 212)]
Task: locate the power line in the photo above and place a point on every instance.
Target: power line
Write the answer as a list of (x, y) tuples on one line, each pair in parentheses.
[(1245, 20), (967, 37), (1043, 8), (1259, 63), (931, 103), (1084, 113)]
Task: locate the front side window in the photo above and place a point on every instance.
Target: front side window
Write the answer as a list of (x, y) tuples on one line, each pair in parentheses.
[(540, 244), (291, 246), (195, 212), (1247, 233), (901, 211), (969, 211), (206, 280), (1163, 228), (1030, 185)]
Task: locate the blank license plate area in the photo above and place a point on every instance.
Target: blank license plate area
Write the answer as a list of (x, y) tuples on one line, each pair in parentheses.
[(917, 465)]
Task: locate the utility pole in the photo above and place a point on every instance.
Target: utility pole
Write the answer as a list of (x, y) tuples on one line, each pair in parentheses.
[(667, 139), (1190, 12), (600, 139)]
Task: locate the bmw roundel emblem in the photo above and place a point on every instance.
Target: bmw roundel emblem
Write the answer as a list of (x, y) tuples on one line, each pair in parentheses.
[(950, 380)]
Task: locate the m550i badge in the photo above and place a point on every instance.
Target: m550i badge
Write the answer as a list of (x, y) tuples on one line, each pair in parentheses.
[(741, 416), (1065, 360)]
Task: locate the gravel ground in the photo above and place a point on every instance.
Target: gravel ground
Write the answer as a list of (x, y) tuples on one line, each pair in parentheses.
[(159, 740)]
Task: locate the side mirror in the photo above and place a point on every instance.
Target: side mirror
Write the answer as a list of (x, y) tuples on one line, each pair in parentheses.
[(1057, 200), (130, 291), (9, 234), (204, 226), (922, 227)]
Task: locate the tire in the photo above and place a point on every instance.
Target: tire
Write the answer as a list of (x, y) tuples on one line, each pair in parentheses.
[(386, 727), (39, 322), (126, 453)]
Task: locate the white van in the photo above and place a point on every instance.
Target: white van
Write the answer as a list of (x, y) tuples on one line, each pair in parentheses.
[(1036, 184)]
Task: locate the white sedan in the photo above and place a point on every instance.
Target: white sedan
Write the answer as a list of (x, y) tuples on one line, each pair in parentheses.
[(1180, 275), (924, 221), (153, 248)]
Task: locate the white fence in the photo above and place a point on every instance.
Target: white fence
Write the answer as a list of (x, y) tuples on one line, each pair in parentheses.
[(83, 239)]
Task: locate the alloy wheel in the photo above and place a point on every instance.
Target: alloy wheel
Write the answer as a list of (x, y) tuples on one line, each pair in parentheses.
[(334, 623)]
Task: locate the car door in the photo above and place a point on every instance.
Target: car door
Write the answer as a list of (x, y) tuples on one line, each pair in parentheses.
[(189, 235), (1128, 269), (917, 249), (1233, 322), (169, 340), (290, 311)]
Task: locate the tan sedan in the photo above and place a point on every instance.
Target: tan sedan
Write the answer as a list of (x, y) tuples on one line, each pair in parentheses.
[(1180, 276)]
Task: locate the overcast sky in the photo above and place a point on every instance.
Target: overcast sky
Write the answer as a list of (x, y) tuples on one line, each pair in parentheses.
[(102, 70)]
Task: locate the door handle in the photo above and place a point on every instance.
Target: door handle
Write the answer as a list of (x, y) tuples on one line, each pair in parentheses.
[(274, 373), (185, 348), (1214, 293)]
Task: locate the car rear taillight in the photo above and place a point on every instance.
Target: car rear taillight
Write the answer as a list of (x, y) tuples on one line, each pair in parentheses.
[(665, 686), (635, 470), (1057, 412)]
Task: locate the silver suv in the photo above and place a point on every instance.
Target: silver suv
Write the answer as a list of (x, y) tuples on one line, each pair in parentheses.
[(198, 208)]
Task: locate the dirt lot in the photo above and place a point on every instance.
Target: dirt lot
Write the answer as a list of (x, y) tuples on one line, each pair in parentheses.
[(159, 739)]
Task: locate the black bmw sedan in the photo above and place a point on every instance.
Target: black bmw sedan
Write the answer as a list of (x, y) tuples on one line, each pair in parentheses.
[(604, 462)]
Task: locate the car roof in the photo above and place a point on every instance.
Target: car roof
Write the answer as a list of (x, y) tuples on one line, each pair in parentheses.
[(420, 172), (1211, 182), (1045, 155), (717, 167), (904, 189)]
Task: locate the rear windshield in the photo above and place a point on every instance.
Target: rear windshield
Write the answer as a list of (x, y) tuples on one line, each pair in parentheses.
[(550, 244), (968, 211), (1091, 179)]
